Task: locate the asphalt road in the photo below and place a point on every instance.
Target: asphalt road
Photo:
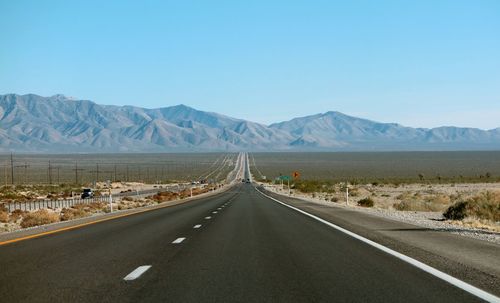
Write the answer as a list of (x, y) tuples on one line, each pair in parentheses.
[(238, 246)]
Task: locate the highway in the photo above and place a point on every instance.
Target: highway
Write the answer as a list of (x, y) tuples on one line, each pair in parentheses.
[(238, 246)]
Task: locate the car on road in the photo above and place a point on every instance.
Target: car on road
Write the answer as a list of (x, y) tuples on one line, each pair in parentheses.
[(87, 193)]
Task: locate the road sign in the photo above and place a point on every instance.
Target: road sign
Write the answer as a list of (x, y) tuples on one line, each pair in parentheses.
[(296, 174), (285, 178)]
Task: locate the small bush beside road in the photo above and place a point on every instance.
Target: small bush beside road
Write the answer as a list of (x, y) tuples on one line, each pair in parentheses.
[(485, 206), (39, 217), (366, 202)]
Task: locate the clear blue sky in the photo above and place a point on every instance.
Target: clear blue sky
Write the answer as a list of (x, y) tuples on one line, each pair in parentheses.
[(419, 63)]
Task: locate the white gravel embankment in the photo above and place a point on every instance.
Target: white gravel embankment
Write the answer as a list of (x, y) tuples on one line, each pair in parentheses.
[(431, 220)]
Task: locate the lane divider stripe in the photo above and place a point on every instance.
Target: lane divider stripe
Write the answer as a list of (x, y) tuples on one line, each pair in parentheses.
[(431, 270), (178, 240), (136, 273)]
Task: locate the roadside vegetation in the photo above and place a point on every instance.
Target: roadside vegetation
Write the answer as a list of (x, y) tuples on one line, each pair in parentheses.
[(473, 204), (480, 209), (24, 219)]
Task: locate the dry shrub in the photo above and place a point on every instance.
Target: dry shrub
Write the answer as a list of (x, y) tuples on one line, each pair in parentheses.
[(354, 192), (4, 214), (163, 196), (96, 206), (440, 199), (199, 191), (16, 215), (484, 206), (417, 202), (127, 198), (4, 217), (71, 213), (39, 217), (366, 202), (409, 205), (405, 196)]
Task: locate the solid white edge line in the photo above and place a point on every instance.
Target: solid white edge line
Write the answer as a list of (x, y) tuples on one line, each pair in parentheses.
[(136, 273), (197, 226), (431, 270), (178, 240)]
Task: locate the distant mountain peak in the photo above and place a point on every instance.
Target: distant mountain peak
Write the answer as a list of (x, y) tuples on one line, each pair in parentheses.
[(62, 97), (31, 123)]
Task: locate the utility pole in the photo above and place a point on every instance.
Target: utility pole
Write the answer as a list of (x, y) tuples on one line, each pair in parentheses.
[(76, 172), (76, 169), (50, 174), (12, 168), (25, 172), (97, 172)]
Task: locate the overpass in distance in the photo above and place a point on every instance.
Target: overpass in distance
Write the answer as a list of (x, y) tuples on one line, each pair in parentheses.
[(241, 245)]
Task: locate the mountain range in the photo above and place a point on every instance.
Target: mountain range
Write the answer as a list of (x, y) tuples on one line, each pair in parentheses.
[(31, 123)]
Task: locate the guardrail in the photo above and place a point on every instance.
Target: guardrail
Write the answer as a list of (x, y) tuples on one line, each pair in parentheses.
[(62, 203)]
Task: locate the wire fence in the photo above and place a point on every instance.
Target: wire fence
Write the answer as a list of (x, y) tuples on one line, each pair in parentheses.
[(17, 169)]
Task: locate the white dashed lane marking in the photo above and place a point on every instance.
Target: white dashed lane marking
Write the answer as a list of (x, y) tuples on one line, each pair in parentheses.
[(178, 240), (208, 218), (197, 226), (136, 273)]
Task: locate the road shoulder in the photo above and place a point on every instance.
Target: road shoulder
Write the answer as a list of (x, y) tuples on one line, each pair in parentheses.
[(473, 261)]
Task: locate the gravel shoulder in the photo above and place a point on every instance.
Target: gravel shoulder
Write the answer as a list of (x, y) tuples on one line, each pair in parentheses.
[(428, 219)]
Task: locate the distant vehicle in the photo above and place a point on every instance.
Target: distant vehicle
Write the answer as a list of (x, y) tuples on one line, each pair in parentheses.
[(247, 181), (87, 193)]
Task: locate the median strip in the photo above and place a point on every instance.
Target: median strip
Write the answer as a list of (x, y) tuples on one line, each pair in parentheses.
[(136, 273)]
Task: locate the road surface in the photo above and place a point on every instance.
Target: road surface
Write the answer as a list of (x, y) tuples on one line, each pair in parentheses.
[(238, 246)]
